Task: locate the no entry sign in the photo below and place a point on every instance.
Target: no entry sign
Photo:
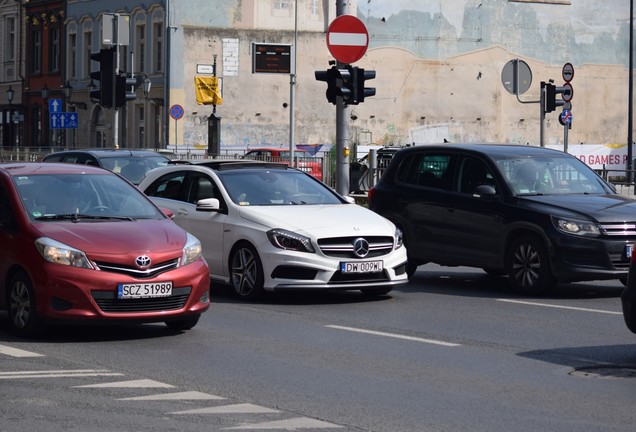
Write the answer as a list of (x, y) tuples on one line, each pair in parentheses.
[(347, 39)]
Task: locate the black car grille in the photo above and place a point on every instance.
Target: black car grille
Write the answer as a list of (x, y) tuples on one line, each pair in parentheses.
[(136, 272), (619, 261), (340, 277), (108, 302), (342, 247), (619, 229)]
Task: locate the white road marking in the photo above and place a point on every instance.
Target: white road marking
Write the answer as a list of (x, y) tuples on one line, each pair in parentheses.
[(57, 374), (187, 395), (15, 352), (244, 408), (394, 335), (560, 306), (290, 424), (142, 383)]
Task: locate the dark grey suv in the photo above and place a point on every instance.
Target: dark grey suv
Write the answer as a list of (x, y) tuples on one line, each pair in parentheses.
[(540, 216), (131, 164)]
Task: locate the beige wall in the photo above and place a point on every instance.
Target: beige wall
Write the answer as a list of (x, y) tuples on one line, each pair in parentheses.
[(461, 98)]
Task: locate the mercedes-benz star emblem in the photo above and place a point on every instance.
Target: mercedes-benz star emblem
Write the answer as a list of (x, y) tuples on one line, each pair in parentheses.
[(143, 261), (360, 247)]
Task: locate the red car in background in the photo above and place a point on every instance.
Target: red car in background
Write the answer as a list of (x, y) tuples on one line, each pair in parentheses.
[(80, 243), (304, 161)]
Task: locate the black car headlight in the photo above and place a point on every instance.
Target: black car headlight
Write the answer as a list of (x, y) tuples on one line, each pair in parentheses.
[(576, 226), (288, 240)]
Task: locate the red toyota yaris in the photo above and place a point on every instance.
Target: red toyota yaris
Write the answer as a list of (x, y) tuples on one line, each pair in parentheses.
[(80, 243)]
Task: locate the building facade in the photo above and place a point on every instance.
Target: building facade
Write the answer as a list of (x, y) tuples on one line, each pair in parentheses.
[(438, 64)]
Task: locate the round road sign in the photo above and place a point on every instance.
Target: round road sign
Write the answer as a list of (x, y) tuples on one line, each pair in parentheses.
[(176, 111), (567, 97), (347, 39), (566, 117), (516, 69), (568, 72)]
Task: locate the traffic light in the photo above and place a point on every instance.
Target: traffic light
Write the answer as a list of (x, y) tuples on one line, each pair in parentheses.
[(360, 91), (105, 75), (124, 90), (330, 78), (551, 101), (339, 83)]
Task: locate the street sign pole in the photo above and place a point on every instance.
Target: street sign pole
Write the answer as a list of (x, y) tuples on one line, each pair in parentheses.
[(342, 133)]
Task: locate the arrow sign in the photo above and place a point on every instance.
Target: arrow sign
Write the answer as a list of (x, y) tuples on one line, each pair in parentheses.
[(347, 39), (55, 105)]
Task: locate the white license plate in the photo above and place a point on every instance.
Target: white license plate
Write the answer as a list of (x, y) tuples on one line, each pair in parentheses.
[(628, 251), (362, 267), (144, 290)]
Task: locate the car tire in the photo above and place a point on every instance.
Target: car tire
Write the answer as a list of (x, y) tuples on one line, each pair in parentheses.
[(528, 266), (23, 319), (183, 324), (246, 272)]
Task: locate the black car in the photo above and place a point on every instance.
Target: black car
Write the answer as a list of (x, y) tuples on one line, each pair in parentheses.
[(539, 215), (628, 297), (131, 164)]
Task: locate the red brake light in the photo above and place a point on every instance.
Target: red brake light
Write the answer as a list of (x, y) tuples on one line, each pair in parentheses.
[(372, 191)]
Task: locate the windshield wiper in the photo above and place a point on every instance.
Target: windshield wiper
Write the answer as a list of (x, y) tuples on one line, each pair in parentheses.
[(75, 217)]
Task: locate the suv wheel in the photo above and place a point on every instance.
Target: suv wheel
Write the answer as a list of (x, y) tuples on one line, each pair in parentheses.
[(528, 266)]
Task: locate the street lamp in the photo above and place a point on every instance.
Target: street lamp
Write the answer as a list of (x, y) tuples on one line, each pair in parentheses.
[(68, 91), (146, 86), (67, 88), (45, 92), (10, 95)]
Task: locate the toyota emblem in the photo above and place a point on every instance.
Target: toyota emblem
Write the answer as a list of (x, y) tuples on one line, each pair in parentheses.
[(360, 247), (143, 261)]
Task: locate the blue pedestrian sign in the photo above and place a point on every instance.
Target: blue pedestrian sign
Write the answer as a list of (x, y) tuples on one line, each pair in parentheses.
[(63, 120)]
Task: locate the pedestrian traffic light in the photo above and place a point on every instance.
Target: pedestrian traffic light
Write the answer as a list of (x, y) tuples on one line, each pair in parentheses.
[(360, 91), (105, 75), (551, 91), (124, 90)]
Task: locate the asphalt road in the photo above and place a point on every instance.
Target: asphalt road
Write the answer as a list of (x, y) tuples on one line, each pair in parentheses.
[(454, 350)]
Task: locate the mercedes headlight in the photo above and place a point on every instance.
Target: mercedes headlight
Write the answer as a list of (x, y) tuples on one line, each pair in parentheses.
[(399, 239), (288, 240)]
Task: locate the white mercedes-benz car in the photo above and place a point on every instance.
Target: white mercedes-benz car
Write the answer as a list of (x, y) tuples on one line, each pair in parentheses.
[(268, 227)]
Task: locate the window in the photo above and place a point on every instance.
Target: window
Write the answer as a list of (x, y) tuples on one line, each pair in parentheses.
[(474, 173), (281, 8), (54, 49), (9, 39), (140, 47), (314, 8), (6, 212), (158, 47), (36, 56), (428, 170), (72, 55), (88, 49)]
